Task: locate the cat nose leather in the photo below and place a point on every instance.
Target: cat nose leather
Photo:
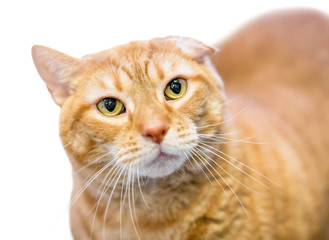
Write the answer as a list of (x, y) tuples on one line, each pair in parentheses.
[(156, 130)]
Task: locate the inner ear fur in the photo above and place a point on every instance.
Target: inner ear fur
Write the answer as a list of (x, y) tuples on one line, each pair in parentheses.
[(57, 70)]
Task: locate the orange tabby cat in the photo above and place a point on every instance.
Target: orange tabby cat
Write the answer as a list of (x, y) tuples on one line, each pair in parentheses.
[(156, 156)]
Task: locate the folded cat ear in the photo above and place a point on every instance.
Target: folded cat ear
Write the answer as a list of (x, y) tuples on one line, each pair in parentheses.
[(189, 46), (56, 69)]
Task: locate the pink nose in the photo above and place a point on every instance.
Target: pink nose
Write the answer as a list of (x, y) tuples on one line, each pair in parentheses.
[(156, 130)]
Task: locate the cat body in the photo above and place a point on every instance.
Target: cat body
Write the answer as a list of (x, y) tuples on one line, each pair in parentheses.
[(172, 163), (280, 64)]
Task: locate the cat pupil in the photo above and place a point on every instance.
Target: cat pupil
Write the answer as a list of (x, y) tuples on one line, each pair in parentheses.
[(175, 86), (110, 104)]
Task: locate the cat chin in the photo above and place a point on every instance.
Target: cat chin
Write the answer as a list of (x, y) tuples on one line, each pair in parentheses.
[(161, 166)]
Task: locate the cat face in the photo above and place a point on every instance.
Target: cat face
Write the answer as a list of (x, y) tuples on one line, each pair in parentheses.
[(136, 106)]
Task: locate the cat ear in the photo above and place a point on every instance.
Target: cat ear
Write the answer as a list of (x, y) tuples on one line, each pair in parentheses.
[(56, 69), (191, 47)]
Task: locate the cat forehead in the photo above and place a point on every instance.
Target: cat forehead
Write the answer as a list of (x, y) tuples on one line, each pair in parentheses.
[(141, 59), (143, 72)]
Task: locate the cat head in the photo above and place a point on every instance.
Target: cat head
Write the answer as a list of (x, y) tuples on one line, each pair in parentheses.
[(138, 106)]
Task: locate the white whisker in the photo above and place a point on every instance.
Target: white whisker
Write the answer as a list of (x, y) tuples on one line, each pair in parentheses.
[(220, 134), (122, 201), (232, 164), (105, 188), (92, 162), (66, 145), (204, 154), (205, 165), (245, 210), (230, 140), (133, 194), (140, 189), (199, 167), (109, 201), (241, 164), (78, 194), (229, 119), (129, 201)]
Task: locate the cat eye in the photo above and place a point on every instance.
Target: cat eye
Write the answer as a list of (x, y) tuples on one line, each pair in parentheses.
[(110, 107), (175, 89)]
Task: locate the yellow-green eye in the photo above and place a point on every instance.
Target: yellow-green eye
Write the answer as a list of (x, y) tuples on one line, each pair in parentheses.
[(176, 88), (110, 107)]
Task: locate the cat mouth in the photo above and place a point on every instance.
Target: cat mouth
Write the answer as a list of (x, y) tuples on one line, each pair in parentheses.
[(161, 160), (160, 164)]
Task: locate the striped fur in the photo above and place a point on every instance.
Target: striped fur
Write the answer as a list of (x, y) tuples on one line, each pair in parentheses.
[(213, 181)]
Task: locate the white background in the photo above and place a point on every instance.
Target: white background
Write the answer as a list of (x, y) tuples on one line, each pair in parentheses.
[(35, 175)]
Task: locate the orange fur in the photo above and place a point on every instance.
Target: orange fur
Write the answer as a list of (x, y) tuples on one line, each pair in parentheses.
[(204, 196)]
